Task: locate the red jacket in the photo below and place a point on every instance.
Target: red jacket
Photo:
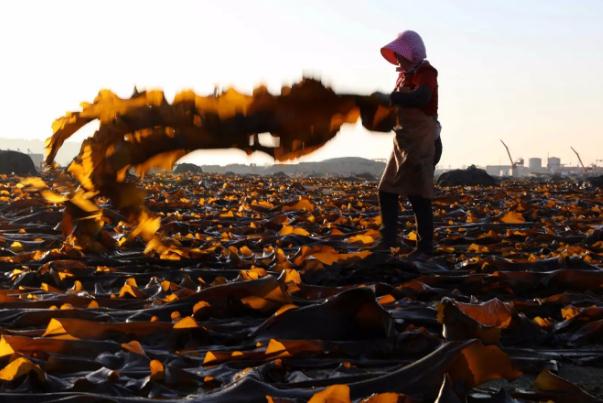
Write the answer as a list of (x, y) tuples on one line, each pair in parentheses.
[(424, 74)]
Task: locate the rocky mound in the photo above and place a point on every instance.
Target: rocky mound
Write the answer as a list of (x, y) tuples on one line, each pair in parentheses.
[(280, 174), (15, 162), (471, 176), (596, 181), (188, 167), (366, 176)]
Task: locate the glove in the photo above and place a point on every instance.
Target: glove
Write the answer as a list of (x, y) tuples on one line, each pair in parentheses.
[(382, 98)]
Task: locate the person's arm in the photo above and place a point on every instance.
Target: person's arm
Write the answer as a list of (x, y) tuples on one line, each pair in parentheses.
[(417, 98)]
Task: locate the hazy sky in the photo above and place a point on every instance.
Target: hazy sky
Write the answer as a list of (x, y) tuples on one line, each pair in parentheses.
[(529, 72)]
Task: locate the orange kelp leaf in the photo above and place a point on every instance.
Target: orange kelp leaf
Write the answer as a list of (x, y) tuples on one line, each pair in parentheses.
[(332, 394), (275, 346), (302, 204), (478, 364), (107, 105), (135, 347), (292, 276), (82, 200), (253, 274), (209, 358), (288, 230), (131, 290), (412, 236), (19, 367), (228, 104), (66, 125), (386, 299), (147, 226), (335, 232), (228, 214), (284, 309), (5, 347), (475, 248), (82, 168), (327, 254), (492, 313), (361, 238), (200, 305), (543, 322), (186, 323), (338, 119), (170, 298), (157, 370), (16, 246), (165, 251), (245, 251), (53, 197), (34, 182), (569, 312), (513, 217), (93, 305), (328, 258), (56, 330), (263, 203), (215, 357), (458, 326), (77, 286), (257, 303)]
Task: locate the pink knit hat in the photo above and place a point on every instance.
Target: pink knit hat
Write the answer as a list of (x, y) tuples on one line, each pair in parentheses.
[(408, 44)]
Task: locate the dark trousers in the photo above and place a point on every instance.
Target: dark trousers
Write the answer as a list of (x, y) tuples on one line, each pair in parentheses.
[(421, 207), (390, 208)]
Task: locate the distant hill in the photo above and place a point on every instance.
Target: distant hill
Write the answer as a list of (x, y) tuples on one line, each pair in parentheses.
[(346, 166), (64, 156)]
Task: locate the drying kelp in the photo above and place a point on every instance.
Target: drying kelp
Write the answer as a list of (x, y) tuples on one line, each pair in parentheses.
[(282, 300)]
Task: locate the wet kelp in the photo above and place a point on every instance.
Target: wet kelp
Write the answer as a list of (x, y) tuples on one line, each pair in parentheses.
[(145, 132), (281, 300)]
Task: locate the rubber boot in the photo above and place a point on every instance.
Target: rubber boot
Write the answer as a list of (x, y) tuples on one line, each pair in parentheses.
[(424, 219), (388, 203)]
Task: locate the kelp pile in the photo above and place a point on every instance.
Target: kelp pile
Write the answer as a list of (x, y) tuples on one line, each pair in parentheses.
[(279, 298), (145, 132)]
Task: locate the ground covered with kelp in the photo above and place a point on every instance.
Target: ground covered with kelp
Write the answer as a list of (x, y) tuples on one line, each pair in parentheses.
[(268, 291)]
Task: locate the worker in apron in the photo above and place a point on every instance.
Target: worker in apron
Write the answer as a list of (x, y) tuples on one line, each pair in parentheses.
[(417, 145)]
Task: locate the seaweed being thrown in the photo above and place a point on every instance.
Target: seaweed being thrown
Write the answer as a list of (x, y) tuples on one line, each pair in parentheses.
[(145, 132)]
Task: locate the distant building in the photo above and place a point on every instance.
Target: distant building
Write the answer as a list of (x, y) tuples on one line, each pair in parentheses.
[(499, 170), (535, 164), (553, 165), (508, 170), (535, 168)]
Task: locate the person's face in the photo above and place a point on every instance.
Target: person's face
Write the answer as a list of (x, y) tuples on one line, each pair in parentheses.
[(404, 63)]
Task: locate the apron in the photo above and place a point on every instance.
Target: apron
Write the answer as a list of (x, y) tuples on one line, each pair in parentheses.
[(409, 170)]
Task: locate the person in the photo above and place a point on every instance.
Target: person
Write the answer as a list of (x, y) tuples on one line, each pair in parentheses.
[(417, 145)]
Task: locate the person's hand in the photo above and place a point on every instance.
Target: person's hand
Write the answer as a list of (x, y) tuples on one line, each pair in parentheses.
[(381, 97)]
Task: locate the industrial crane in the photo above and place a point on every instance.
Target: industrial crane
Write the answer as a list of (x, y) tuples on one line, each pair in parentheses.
[(579, 159), (513, 164)]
